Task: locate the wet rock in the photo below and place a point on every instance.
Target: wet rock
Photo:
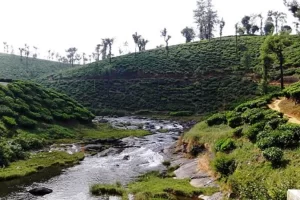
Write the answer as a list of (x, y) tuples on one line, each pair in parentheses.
[(103, 121), (41, 191), (94, 147), (127, 157)]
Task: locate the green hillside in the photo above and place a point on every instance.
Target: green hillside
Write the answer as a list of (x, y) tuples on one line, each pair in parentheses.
[(12, 67), (189, 78), (253, 150), (31, 115)]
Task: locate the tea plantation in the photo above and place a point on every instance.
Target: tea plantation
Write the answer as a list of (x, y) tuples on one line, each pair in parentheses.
[(13, 67), (199, 77), (31, 116)]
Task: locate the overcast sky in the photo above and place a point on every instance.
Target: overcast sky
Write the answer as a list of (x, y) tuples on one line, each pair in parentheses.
[(59, 24)]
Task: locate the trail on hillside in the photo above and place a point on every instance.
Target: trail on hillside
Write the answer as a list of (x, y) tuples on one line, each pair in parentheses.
[(275, 106)]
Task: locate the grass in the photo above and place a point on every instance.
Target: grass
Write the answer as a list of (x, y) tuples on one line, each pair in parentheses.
[(203, 133), (106, 131), (106, 189), (38, 162), (151, 186)]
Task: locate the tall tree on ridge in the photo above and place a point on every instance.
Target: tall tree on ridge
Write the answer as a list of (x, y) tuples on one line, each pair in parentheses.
[(109, 42), (104, 49), (188, 33), (294, 7), (21, 53), (71, 54), (222, 25), (4, 47), (164, 34), (275, 44), (136, 39), (206, 18), (98, 51), (278, 17), (246, 24)]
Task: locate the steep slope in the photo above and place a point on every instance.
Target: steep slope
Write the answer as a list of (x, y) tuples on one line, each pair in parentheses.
[(13, 67), (31, 116), (200, 76)]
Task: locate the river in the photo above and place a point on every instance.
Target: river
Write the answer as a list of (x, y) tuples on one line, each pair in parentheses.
[(122, 165)]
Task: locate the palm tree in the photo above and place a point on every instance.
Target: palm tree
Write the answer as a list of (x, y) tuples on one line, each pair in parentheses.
[(164, 33)]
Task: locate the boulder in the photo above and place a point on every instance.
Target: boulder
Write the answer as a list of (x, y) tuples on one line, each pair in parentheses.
[(127, 157), (41, 191)]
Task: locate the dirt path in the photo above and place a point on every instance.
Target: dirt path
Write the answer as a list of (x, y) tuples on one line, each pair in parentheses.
[(275, 106)]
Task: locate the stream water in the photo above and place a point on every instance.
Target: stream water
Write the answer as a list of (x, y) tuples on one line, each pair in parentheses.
[(114, 164)]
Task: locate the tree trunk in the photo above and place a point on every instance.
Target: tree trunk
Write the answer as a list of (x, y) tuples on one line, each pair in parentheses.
[(281, 71)]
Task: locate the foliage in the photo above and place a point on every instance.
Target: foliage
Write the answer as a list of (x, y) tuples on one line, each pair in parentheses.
[(181, 113), (224, 164), (224, 145), (273, 154), (216, 119)]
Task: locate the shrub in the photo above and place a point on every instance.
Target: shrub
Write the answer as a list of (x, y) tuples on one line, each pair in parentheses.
[(224, 165), (58, 132), (266, 142), (27, 122), (274, 123), (237, 132), (292, 127), (273, 154), (29, 141), (253, 131), (181, 113), (216, 119), (253, 116), (10, 122), (234, 122), (4, 110), (224, 145)]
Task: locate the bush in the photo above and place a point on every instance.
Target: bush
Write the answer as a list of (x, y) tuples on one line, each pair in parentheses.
[(253, 116), (216, 119), (253, 131), (234, 122), (4, 110), (10, 122), (238, 132), (292, 127), (181, 113), (224, 165), (27, 122), (29, 141), (274, 123), (224, 145), (266, 142), (58, 132), (273, 154)]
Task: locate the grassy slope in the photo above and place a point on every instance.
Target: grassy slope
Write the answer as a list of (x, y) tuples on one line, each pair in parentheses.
[(189, 78), (254, 177), (12, 67)]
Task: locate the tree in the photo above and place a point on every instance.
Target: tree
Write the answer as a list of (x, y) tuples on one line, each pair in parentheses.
[(136, 39), (296, 24), (98, 51), (269, 28), (35, 52), (261, 24), (142, 44), (49, 54), (286, 28), (12, 49), (164, 34), (206, 18), (109, 42), (222, 25), (275, 45), (104, 49), (294, 7), (188, 33), (254, 29), (90, 58), (278, 16), (246, 24), (77, 58), (21, 52), (84, 59), (71, 54)]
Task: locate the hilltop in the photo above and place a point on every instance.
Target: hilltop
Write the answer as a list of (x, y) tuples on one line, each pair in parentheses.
[(198, 77), (13, 67)]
